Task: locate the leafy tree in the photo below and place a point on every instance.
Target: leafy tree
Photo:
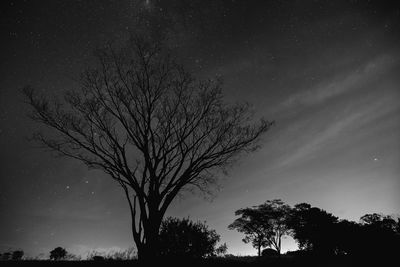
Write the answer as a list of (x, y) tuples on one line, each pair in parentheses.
[(183, 238), (58, 253), (275, 214), (381, 233), (263, 225), (380, 221), (148, 123), (251, 223), (313, 228)]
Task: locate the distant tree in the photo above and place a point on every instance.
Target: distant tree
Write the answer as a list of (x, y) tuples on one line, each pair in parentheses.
[(58, 253), (381, 221), (313, 229), (6, 256), (17, 255), (276, 215), (145, 120), (221, 250), (183, 238), (381, 232), (251, 223), (371, 219), (263, 225)]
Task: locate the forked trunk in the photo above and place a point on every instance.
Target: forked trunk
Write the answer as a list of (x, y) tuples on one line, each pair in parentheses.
[(149, 251)]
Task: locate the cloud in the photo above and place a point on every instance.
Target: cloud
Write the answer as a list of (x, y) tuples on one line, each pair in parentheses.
[(340, 85), (349, 120)]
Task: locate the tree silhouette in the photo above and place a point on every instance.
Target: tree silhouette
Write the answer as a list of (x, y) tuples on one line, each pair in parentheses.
[(251, 223), (381, 221), (381, 233), (6, 256), (17, 255), (58, 253), (183, 238), (263, 225), (313, 228), (275, 215), (144, 120)]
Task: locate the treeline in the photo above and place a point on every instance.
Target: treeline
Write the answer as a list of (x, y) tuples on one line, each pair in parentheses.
[(316, 231)]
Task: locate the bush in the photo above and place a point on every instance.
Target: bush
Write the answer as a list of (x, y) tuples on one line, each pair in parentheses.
[(269, 252), (58, 253), (17, 255), (185, 239)]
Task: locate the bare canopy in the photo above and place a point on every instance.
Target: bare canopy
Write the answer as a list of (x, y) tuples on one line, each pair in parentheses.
[(144, 120)]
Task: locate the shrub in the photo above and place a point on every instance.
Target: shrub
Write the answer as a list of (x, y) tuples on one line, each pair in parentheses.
[(269, 252), (184, 238), (58, 253), (17, 255)]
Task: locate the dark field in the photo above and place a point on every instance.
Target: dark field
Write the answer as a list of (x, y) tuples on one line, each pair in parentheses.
[(237, 261)]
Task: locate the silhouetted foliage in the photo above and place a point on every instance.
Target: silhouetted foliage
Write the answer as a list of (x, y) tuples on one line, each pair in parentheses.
[(276, 215), (313, 229), (17, 255), (381, 232), (347, 237), (221, 250), (12, 255), (58, 253), (380, 221), (144, 120), (183, 238), (6, 256), (252, 225), (263, 225), (269, 252)]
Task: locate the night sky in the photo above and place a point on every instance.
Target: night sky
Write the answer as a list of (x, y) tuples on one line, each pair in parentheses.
[(328, 73)]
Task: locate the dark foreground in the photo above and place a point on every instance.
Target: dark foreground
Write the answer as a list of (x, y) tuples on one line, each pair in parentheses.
[(236, 261)]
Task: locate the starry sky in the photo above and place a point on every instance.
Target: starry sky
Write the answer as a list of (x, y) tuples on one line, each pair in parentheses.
[(328, 73)]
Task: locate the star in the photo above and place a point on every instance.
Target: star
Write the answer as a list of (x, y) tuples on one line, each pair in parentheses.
[(67, 187)]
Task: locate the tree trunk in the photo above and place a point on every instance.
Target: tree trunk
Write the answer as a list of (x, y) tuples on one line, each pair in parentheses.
[(149, 251)]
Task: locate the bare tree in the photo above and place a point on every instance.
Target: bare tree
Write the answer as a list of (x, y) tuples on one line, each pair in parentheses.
[(144, 120)]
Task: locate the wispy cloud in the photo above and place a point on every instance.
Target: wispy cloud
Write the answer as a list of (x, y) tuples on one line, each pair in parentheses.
[(340, 85), (311, 142)]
